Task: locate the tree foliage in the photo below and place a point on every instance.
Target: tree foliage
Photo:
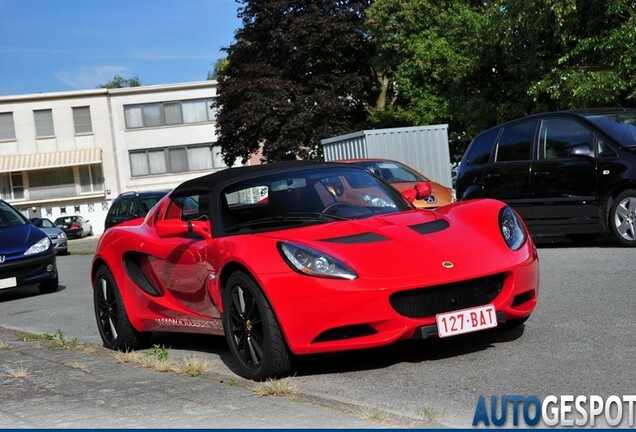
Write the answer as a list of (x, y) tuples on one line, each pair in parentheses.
[(120, 82), (297, 72)]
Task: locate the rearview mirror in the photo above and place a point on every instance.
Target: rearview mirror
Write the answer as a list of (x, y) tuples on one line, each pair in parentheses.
[(421, 190), (177, 227)]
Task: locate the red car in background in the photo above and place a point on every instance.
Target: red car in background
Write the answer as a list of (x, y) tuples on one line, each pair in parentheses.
[(297, 257), (403, 177)]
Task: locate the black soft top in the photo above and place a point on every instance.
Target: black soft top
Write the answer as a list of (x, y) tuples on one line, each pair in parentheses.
[(220, 179)]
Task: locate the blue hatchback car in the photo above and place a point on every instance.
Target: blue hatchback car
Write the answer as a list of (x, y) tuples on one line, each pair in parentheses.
[(27, 256)]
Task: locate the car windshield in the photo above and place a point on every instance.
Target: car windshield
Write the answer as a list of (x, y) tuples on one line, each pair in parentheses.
[(298, 198), (620, 126), (9, 217), (65, 220), (392, 172)]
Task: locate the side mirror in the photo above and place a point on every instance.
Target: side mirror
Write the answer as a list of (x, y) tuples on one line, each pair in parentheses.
[(37, 222), (177, 227), (420, 191)]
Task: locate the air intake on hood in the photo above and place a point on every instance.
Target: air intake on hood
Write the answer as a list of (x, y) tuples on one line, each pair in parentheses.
[(430, 227), (357, 238)]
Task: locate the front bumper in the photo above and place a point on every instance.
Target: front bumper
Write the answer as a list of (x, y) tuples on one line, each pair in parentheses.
[(29, 271), (322, 315)]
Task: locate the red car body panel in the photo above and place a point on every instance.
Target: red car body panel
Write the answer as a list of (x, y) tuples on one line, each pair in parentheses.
[(189, 273)]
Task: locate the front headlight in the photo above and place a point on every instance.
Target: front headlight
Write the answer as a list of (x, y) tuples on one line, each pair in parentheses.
[(512, 228), (314, 263), (41, 246), (62, 235)]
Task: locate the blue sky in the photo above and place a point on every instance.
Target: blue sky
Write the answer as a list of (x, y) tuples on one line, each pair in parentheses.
[(61, 45)]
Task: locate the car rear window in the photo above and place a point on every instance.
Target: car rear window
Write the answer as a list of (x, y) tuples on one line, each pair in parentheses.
[(620, 126)]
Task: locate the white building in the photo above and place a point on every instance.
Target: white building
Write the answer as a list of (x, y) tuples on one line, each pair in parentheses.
[(74, 152)]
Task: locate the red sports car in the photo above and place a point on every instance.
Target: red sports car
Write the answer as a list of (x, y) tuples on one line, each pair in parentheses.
[(304, 257)]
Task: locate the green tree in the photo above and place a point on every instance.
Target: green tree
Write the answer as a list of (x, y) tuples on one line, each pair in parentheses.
[(597, 63), (217, 68), (120, 82), (426, 51), (297, 72)]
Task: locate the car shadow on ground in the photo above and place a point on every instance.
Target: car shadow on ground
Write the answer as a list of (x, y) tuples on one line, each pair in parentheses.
[(19, 293), (414, 351), (557, 242)]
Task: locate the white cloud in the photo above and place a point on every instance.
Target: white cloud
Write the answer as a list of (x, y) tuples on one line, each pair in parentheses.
[(89, 77)]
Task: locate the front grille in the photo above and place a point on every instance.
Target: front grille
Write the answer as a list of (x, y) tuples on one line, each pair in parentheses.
[(427, 302)]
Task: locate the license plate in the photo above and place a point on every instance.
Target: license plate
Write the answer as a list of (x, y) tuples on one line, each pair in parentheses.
[(8, 283), (466, 321)]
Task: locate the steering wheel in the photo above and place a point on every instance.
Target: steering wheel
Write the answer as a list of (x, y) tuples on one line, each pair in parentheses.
[(335, 205)]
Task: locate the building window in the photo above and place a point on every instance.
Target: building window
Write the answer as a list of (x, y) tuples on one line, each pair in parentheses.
[(174, 160), (7, 129), (82, 120), (52, 183), (169, 113), (91, 179), (44, 123), (11, 186)]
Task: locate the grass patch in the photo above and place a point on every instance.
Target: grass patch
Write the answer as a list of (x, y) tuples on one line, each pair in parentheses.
[(374, 415), (57, 337), (429, 414), (192, 366), (80, 366), (282, 387), (17, 373), (158, 360), (4, 346)]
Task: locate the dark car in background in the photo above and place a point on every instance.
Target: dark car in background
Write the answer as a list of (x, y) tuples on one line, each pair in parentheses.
[(74, 226), (26, 253), (569, 172), (55, 233), (132, 205)]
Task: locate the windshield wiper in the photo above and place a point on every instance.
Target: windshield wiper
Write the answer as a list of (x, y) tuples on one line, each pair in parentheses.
[(289, 217)]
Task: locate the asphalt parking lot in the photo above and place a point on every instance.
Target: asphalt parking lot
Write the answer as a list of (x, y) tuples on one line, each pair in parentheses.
[(581, 340)]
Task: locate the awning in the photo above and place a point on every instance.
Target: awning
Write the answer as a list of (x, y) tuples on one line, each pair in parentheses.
[(29, 162)]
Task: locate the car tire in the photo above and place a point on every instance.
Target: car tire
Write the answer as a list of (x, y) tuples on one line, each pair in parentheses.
[(115, 329), (81, 233), (252, 331), (49, 286), (90, 233), (622, 217)]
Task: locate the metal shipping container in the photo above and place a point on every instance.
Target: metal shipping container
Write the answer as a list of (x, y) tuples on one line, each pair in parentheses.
[(424, 148)]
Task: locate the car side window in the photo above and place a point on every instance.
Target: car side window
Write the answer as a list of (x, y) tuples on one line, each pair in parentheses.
[(515, 143), (563, 139), (603, 150), (190, 207), (479, 152), (134, 209), (120, 207)]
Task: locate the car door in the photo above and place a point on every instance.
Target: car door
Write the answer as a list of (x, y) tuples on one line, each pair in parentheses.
[(180, 262), (507, 176), (563, 178)]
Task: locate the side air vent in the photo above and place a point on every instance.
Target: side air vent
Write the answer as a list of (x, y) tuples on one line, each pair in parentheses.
[(346, 332), (430, 227), (357, 239), (133, 263)]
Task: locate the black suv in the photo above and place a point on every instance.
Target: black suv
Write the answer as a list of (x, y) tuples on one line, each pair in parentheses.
[(132, 205), (570, 172)]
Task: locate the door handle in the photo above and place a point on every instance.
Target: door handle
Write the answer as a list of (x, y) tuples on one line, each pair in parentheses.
[(541, 173)]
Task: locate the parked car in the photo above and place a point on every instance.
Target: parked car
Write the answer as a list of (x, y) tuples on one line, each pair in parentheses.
[(75, 226), (309, 271), (55, 233), (132, 205), (403, 177), (26, 253), (570, 172)]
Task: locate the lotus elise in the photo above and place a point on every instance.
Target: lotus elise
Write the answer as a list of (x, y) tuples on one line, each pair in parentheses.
[(296, 258)]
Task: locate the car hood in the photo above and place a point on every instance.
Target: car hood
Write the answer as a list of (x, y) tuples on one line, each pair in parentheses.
[(16, 240), (415, 242)]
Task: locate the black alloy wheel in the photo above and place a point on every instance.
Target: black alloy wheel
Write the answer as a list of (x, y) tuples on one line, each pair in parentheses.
[(251, 330), (622, 217), (114, 327)]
